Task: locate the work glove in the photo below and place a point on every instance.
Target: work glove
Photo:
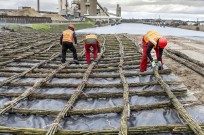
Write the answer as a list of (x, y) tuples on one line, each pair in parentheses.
[(159, 64), (153, 64)]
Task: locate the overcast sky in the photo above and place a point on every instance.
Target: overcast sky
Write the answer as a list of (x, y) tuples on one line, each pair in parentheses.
[(167, 9)]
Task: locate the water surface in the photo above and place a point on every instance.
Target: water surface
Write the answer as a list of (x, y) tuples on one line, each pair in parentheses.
[(134, 28)]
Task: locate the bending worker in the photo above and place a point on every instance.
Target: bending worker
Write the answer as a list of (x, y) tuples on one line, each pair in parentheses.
[(151, 40), (91, 41), (66, 40)]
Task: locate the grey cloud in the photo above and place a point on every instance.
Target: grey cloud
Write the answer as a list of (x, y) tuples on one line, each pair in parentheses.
[(158, 6), (51, 5), (151, 6), (199, 3), (172, 8)]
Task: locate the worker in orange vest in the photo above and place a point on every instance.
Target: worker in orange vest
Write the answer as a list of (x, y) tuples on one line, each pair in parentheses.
[(91, 41), (150, 40), (67, 40)]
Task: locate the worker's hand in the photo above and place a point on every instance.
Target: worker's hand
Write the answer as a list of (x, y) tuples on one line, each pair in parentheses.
[(159, 64), (153, 64)]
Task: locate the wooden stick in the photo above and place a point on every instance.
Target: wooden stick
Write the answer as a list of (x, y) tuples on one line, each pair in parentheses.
[(26, 48), (27, 71), (169, 128), (146, 93), (21, 57), (90, 85), (187, 62), (117, 109), (59, 75), (184, 56), (126, 108)]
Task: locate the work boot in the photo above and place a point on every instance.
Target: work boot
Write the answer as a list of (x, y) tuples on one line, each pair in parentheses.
[(160, 68), (62, 61)]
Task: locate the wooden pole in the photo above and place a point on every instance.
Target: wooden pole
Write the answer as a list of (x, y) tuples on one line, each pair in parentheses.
[(169, 128), (126, 108)]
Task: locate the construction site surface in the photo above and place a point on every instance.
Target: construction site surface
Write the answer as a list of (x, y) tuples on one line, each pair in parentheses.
[(39, 95)]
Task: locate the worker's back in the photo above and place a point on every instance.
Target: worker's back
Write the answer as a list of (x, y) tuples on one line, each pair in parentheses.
[(152, 36), (68, 36), (91, 39)]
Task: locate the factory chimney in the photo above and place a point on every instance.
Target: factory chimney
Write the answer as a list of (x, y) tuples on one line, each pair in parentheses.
[(38, 5), (118, 10)]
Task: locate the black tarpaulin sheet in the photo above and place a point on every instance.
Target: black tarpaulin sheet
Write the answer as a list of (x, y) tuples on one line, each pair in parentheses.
[(22, 121), (94, 122), (101, 121), (154, 117)]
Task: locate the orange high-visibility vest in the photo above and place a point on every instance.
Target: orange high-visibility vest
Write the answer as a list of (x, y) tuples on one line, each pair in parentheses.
[(91, 37), (152, 36), (68, 36)]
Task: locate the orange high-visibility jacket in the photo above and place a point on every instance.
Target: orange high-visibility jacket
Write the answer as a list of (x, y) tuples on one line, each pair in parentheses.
[(68, 36), (152, 36), (91, 36)]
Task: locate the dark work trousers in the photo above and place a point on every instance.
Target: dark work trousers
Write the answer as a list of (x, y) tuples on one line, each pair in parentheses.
[(70, 46)]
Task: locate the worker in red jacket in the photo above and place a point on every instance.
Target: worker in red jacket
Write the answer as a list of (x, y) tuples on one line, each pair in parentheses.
[(67, 40), (91, 41), (150, 40)]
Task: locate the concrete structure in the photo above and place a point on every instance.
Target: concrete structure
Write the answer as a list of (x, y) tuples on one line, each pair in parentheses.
[(19, 8), (24, 19), (103, 10), (81, 8), (88, 7), (62, 6), (118, 10), (100, 12), (115, 19), (75, 9), (38, 5)]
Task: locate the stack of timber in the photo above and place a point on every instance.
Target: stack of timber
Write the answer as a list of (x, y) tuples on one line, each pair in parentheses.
[(39, 95)]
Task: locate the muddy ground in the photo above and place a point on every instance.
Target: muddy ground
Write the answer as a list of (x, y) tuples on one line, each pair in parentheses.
[(193, 81), (195, 50)]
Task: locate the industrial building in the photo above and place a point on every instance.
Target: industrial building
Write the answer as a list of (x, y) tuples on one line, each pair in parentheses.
[(79, 8), (75, 10)]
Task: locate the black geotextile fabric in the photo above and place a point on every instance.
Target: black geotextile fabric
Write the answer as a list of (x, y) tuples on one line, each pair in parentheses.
[(100, 121), (104, 121)]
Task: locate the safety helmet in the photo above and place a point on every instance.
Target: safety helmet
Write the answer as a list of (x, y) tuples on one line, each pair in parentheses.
[(162, 42), (71, 26)]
